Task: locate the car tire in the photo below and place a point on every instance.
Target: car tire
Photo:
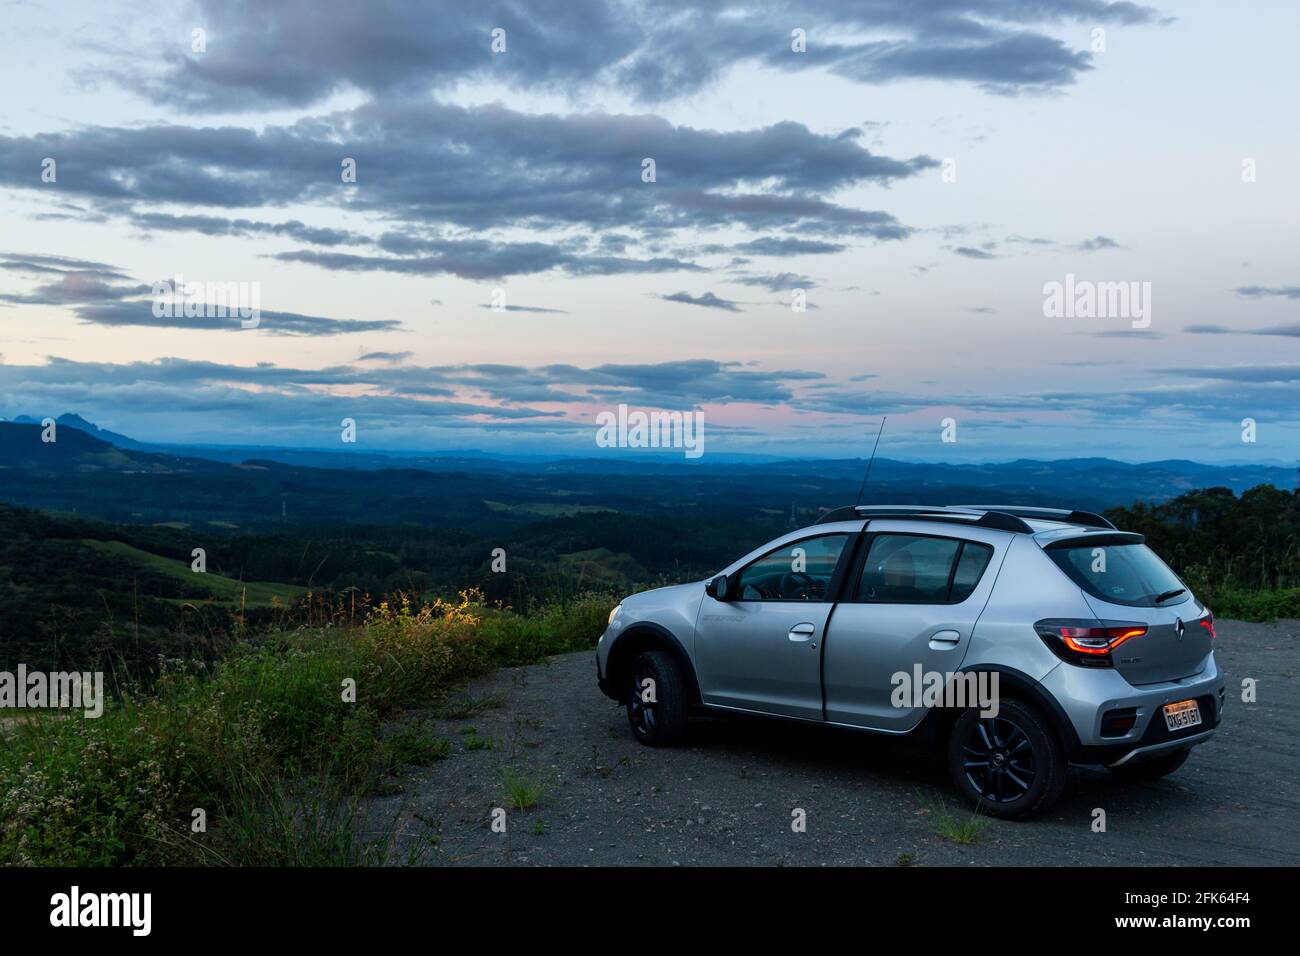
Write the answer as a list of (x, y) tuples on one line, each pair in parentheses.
[(1011, 766), (1154, 768), (660, 721)]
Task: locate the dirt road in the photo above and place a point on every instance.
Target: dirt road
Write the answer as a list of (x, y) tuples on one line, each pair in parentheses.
[(729, 794)]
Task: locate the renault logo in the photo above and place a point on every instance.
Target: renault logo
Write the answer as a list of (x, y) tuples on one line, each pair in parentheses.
[(1178, 623)]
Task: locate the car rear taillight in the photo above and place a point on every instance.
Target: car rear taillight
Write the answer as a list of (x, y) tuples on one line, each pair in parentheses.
[(1087, 643), (1207, 622)]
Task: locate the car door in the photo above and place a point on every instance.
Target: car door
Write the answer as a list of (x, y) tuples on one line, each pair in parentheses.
[(910, 605), (762, 651)]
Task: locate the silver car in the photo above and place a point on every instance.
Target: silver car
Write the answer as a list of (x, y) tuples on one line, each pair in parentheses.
[(1073, 642)]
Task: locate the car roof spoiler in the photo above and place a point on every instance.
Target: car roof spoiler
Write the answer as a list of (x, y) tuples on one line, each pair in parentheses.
[(1087, 519), (998, 517)]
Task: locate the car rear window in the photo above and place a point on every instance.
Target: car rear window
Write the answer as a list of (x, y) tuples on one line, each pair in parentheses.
[(1120, 573), (918, 569)]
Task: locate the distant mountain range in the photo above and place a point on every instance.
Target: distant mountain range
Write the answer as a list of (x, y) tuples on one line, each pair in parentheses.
[(98, 472)]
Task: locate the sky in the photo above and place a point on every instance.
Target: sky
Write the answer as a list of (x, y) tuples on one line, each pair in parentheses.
[(857, 209)]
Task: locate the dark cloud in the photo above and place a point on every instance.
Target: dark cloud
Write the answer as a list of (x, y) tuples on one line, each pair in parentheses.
[(221, 226), (400, 389), (1291, 331), (482, 259), (1260, 291), (972, 253), (526, 308), (658, 49), (781, 282), (477, 168), (140, 313), (43, 265), (787, 246), (1096, 244), (97, 297), (265, 399), (1254, 374), (708, 300)]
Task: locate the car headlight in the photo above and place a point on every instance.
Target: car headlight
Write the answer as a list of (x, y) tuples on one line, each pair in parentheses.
[(613, 614)]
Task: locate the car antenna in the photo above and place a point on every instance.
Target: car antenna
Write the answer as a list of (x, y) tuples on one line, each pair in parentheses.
[(863, 486)]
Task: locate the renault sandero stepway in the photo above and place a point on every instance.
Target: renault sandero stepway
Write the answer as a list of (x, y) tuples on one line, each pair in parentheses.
[(1077, 642)]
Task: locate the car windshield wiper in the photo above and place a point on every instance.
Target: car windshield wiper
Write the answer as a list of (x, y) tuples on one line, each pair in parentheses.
[(1161, 598)]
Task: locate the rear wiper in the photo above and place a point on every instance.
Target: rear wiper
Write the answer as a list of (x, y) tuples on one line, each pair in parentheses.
[(1161, 598)]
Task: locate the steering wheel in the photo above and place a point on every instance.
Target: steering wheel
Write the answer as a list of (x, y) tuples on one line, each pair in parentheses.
[(797, 580)]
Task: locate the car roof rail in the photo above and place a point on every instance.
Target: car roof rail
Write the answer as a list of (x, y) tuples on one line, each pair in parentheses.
[(1087, 519), (979, 517)]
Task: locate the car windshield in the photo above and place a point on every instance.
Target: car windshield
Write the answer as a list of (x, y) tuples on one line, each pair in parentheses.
[(1120, 573)]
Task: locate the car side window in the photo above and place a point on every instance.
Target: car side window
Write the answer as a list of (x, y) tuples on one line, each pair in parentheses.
[(970, 568), (798, 571), (918, 569)]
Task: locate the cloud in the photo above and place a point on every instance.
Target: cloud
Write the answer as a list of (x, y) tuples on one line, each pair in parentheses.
[(657, 50), (221, 226), (482, 259), (193, 400), (787, 246), (524, 308), (41, 265), (1289, 331), (1096, 244), (708, 300), (298, 394), (97, 298), (1259, 291), (475, 168), (1256, 374), (780, 282), (971, 253)]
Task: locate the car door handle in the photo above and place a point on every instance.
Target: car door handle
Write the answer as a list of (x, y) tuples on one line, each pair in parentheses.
[(802, 632), (942, 639)]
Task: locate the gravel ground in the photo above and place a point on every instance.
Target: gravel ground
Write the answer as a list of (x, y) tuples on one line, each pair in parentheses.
[(726, 796)]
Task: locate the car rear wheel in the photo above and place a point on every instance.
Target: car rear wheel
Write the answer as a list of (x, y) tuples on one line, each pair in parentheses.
[(656, 699), (1010, 766), (1154, 768)]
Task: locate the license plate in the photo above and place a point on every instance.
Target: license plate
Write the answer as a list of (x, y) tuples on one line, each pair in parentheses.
[(1184, 714)]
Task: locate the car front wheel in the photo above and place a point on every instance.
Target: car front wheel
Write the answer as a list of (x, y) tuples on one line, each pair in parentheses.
[(656, 699), (1010, 766)]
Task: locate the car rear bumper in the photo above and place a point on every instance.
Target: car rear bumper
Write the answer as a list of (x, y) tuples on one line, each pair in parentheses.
[(1089, 696), (1158, 750)]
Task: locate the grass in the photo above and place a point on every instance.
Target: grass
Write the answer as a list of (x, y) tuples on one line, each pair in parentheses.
[(265, 742), (414, 745), (957, 827), (1251, 605), (521, 791), (463, 706), (223, 589)]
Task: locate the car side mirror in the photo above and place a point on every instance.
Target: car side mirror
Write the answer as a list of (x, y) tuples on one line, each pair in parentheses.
[(718, 588)]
